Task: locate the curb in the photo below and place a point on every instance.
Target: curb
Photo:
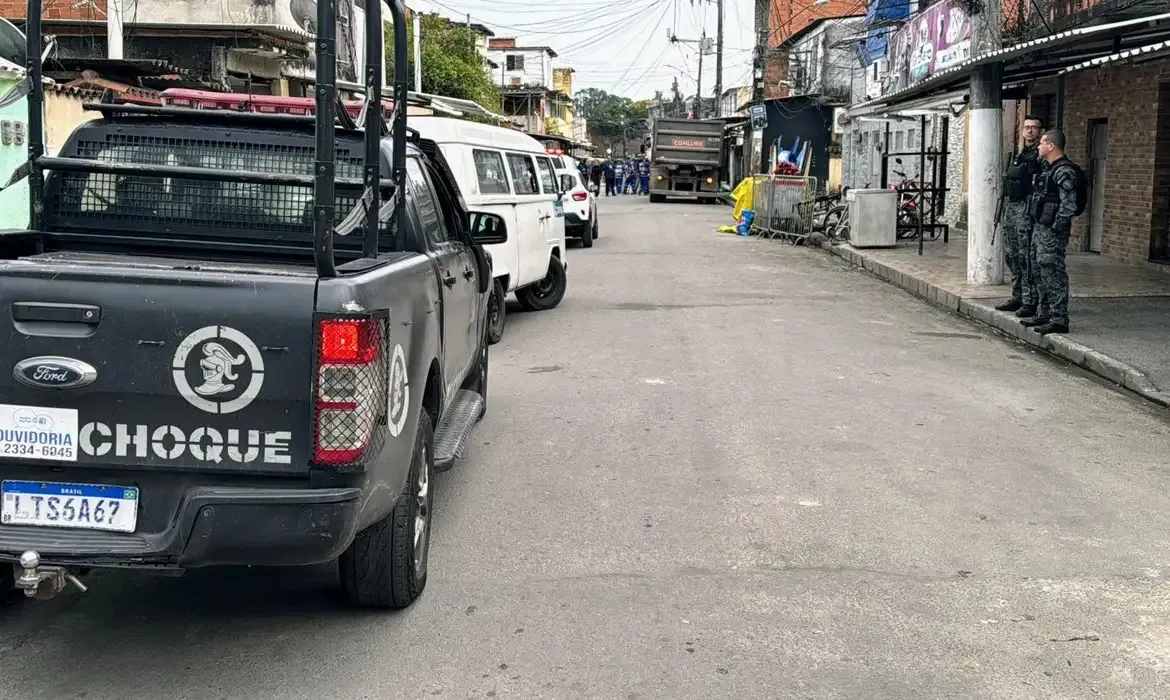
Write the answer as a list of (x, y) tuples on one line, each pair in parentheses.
[(1059, 346)]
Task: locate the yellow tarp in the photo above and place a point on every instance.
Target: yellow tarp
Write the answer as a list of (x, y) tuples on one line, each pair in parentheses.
[(742, 196)]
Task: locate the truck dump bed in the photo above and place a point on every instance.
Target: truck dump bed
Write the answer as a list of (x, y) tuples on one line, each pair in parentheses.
[(687, 155), (688, 142)]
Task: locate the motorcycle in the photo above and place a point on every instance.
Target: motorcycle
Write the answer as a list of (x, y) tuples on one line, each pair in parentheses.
[(909, 191)]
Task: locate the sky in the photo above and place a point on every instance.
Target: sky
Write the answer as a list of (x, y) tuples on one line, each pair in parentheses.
[(621, 46)]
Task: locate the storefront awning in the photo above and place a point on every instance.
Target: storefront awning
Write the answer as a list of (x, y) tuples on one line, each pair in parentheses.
[(1142, 53), (1032, 60)]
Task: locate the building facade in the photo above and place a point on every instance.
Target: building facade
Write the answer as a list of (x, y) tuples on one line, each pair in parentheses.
[(734, 101), (528, 89), (1097, 70), (775, 22), (822, 61)]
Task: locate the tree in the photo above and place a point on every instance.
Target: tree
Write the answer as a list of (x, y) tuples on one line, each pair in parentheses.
[(451, 66), (611, 118)]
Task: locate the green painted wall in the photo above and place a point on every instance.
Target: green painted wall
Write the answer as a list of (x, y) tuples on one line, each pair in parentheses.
[(13, 200)]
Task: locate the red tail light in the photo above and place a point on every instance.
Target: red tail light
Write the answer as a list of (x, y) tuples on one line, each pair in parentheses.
[(579, 196), (350, 388)]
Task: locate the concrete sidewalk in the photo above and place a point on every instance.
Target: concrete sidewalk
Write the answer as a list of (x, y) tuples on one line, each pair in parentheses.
[(1120, 313)]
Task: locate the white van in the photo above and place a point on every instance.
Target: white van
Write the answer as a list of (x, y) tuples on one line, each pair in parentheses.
[(505, 172)]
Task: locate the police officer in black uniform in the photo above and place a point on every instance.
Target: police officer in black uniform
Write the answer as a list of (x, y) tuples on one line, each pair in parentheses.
[(1053, 206), (1016, 221)]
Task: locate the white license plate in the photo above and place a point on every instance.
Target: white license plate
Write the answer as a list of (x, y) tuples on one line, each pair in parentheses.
[(85, 506)]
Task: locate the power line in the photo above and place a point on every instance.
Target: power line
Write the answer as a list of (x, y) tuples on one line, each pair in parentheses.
[(653, 31)]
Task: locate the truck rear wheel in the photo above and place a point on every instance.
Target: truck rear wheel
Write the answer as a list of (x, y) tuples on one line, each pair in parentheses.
[(657, 198), (386, 564), (496, 312), (547, 293)]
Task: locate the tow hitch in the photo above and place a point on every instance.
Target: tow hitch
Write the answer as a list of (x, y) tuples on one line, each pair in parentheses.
[(43, 582)]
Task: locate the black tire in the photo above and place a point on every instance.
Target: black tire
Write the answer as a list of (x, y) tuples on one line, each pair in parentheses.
[(497, 312), (657, 198), (478, 381), (7, 582), (833, 217), (547, 293), (594, 226), (587, 238), (383, 567)]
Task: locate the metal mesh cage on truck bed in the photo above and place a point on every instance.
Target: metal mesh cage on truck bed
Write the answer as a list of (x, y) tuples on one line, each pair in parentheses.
[(175, 206), (251, 186)]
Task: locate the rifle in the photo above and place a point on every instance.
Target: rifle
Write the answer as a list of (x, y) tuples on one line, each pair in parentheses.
[(1003, 195)]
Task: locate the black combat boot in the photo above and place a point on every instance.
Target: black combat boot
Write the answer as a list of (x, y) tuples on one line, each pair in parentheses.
[(1026, 312), (1034, 322), (1010, 305), (1052, 328)]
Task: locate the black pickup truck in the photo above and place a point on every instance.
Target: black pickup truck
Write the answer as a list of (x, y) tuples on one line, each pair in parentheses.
[(233, 343)]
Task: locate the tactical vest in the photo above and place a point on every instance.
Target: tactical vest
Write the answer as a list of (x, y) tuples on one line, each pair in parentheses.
[(1018, 181)]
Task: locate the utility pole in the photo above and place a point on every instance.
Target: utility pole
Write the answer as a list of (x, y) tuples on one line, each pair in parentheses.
[(718, 59), (699, 80), (417, 52), (114, 30), (470, 36), (985, 164), (704, 47)]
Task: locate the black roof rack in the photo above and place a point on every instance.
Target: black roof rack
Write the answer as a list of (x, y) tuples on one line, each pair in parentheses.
[(329, 113)]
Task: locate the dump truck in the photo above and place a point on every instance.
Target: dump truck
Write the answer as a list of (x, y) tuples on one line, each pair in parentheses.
[(686, 157)]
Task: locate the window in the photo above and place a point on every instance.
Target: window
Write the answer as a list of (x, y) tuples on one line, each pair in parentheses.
[(898, 145), (489, 170), (424, 202), (515, 61), (523, 174), (547, 179), (912, 139)]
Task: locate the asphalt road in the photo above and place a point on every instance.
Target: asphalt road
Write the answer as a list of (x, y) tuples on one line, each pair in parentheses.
[(723, 468)]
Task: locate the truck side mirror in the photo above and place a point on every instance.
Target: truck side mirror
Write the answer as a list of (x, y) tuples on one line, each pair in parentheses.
[(487, 229)]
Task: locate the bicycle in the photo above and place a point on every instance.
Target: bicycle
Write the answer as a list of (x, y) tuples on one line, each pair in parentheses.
[(837, 218)]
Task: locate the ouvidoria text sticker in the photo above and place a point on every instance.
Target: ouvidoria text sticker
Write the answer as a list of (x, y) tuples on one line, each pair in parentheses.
[(38, 432)]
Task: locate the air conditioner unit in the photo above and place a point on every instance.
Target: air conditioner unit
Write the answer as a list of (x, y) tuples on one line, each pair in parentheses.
[(838, 121)]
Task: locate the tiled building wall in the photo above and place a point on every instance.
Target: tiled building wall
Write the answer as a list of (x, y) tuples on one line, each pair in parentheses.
[(861, 158)]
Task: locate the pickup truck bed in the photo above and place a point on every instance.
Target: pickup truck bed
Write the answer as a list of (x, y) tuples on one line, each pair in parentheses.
[(199, 402)]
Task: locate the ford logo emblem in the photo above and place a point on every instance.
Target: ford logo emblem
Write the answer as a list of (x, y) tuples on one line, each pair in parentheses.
[(54, 372)]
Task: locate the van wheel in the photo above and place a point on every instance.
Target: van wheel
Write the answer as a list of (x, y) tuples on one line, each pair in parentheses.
[(386, 564), (496, 313), (587, 238), (547, 293), (595, 227)]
